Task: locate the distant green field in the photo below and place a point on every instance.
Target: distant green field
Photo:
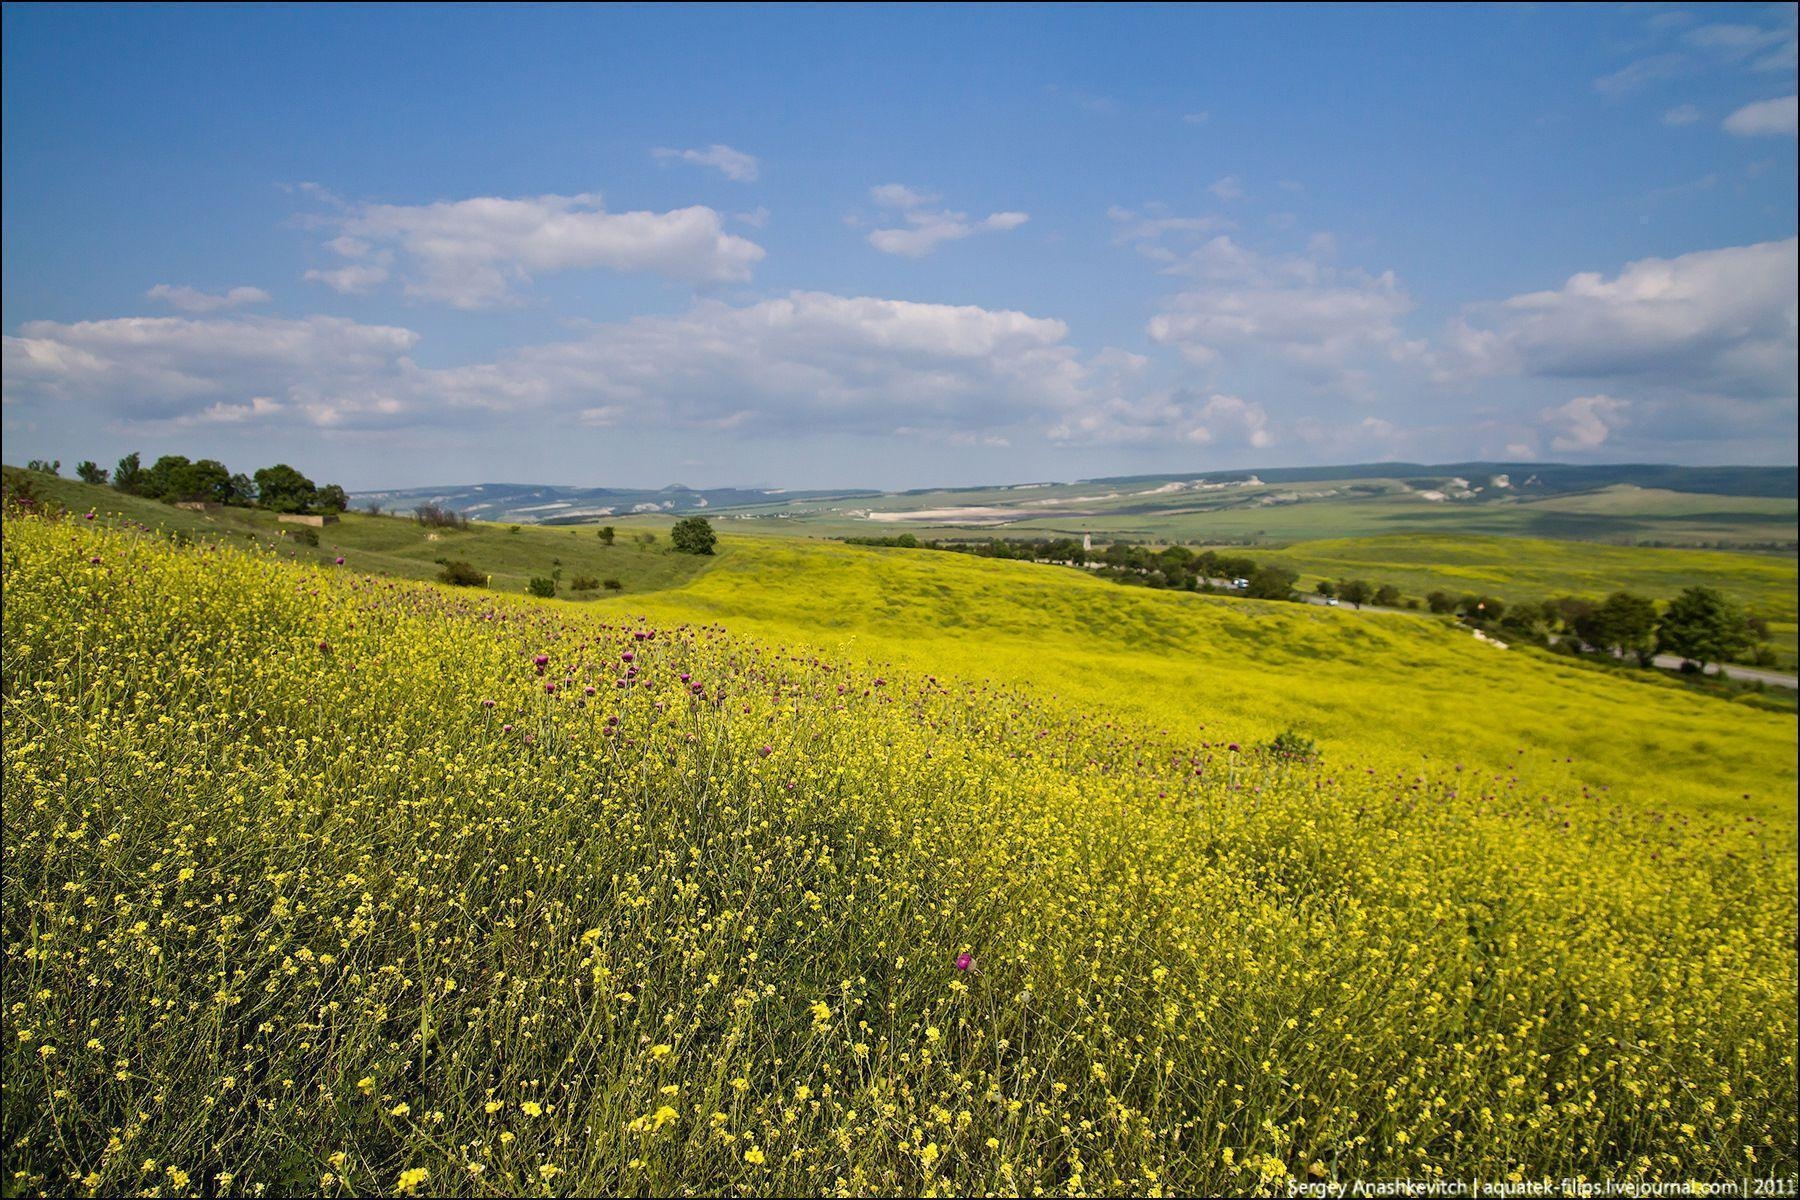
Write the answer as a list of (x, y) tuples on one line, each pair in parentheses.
[(1302, 512), (398, 546)]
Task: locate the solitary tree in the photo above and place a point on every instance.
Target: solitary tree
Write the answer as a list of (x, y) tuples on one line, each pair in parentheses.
[(284, 489), (1703, 627), (607, 533), (91, 472), (692, 535), (1355, 592), (1326, 588), (128, 476), (332, 498), (1386, 596)]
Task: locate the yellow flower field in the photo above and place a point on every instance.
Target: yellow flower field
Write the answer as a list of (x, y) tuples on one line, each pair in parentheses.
[(320, 882)]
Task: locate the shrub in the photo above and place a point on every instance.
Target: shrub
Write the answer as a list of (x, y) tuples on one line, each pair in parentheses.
[(461, 574), (306, 537), (584, 583), (436, 516), (613, 585), (540, 586), (1292, 745)]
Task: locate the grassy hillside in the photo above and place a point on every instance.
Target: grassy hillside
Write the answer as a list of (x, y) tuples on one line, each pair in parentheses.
[(396, 545), (319, 883), (1394, 687)]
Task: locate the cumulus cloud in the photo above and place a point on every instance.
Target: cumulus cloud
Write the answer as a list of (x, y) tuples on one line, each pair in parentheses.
[(1779, 117), (1152, 231), (1325, 323), (474, 253), (189, 299), (1182, 416), (733, 164), (1716, 321), (925, 227), (810, 361), (325, 371), (1228, 189), (1584, 423)]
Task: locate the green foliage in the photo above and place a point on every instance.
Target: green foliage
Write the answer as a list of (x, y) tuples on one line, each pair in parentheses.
[(613, 585), (1704, 627), (1272, 583), (1293, 746), (693, 535), (45, 466), (436, 516), (462, 574), (584, 583), (128, 476), (1386, 596), (540, 586), (91, 472), (1621, 624), (305, 536), (282, 489), (333, 498), (1355, 592), (606, 534)]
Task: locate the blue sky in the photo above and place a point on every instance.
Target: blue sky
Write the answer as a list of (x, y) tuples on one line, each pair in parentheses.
[(896, 246)]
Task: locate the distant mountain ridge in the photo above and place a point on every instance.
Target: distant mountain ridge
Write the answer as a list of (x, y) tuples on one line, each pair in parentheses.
[(551, 504)]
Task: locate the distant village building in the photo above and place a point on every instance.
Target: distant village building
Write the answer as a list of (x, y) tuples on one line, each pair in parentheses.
[(318, 521)]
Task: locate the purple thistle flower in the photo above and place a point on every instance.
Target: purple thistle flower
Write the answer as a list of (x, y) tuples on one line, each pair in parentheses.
[(964, 961)]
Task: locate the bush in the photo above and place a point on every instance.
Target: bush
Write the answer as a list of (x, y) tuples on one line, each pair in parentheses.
[(435, 516), (540, 586), (613, 585), (462, 574), (1292, 745), (306, 537), (584, 583)]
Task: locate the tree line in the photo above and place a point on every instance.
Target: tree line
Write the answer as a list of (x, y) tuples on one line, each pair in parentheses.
[(175, 479)]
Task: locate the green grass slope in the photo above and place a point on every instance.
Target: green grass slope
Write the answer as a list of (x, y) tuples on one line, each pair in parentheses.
[(397, 545)]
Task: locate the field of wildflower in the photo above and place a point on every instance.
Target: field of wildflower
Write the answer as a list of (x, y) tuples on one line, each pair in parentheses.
[(321, 882)]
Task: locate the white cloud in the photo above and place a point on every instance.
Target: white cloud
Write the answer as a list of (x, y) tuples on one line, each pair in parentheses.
[(193, 300), (1717, 321), (926, 228), (733, 164), (148, 370), (1181, 416), (1683, 114), (1584, 423), (1779, 117), (1148, 230), (808, 362), (1325, 323), (1635, 76), (472, 253), (1197, 118), (1228, 189)]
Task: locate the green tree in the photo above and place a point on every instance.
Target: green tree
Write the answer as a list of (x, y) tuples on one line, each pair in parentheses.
[(1355, 592), (333, 498), (539, 586), (1619, 625), (692, 535), (1441, 602), (128, 476), (280, 488), (46, 465), (91, 472), (1272, 583), (1386, 596), (607, 533), (208, 479), (168, 478), (1704, 627), (1326, 588)]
